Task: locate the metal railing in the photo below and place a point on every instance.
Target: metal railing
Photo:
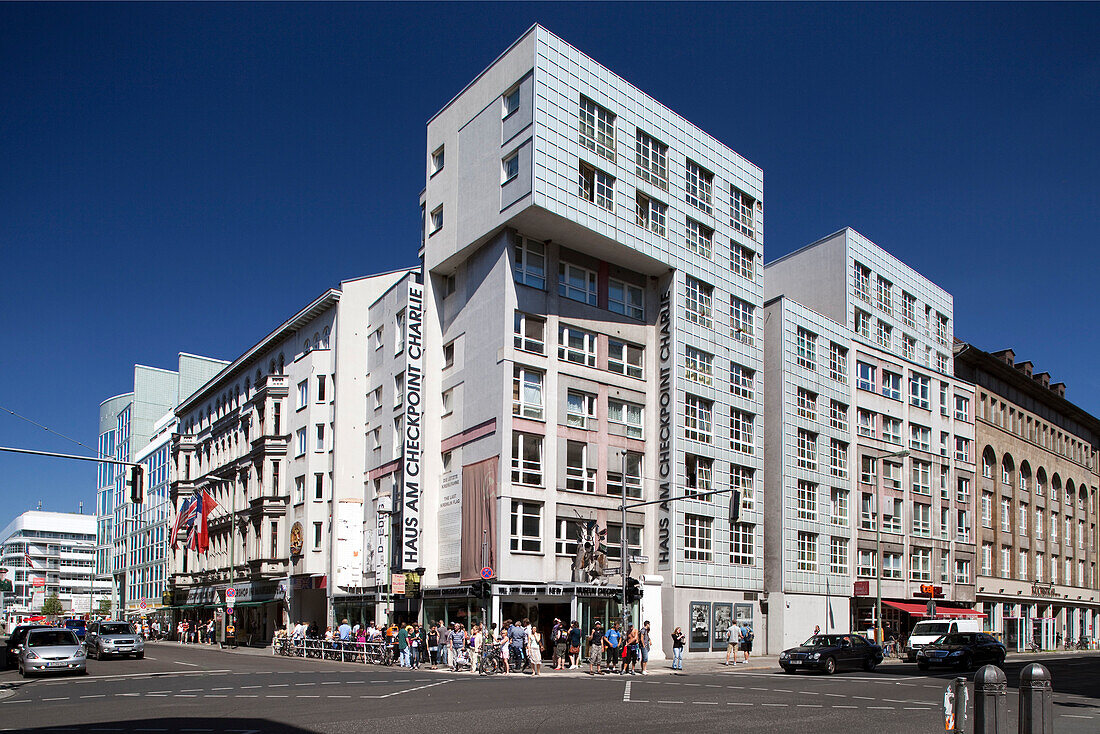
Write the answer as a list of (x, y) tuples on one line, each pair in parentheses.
[(346, 651)]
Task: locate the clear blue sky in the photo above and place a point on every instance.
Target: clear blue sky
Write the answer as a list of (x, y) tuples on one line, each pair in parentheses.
[(182, 177)]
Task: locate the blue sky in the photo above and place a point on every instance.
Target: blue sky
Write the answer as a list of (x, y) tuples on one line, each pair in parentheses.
[(182, 177)]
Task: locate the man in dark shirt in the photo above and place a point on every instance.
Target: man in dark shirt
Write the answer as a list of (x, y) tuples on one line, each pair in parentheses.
[(517, 636), (595, 648)]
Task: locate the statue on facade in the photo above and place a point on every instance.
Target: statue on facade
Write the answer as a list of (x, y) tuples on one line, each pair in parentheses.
[(590, 561)]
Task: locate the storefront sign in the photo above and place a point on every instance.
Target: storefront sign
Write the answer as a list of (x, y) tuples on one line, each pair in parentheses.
[(664, 434), (296, 539), (382, 522), (397, 584), (414, 384), (861, 588), (1038, 589)]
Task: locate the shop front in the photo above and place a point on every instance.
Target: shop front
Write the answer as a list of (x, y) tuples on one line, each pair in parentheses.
[(900, 616)]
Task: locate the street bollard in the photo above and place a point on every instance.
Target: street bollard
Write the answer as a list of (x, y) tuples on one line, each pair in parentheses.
[(990, 704), (955, 705), (1036, 700)]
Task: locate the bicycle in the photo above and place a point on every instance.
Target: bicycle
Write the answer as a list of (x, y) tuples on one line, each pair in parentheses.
[(1033, 646), (491, 660)]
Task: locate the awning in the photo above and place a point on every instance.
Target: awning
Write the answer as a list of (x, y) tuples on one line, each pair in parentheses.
[(942, 610)]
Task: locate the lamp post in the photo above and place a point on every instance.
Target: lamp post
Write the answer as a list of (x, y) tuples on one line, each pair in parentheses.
[(878, 544)]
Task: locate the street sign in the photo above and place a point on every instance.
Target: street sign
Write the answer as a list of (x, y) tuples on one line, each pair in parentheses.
[(637, 558), (229, 610), (861, 588), (38, 581), (487, 573), (144, 605), (230, 593)]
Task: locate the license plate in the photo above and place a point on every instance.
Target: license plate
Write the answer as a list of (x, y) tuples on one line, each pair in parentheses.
[(56, 665), (796, 662)]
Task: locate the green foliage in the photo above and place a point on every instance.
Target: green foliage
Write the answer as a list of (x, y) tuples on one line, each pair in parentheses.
[(104, 607), (52, 606)]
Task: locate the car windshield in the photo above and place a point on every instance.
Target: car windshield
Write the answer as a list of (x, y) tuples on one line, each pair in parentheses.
[(955, 640), (116, 629), (51, 638), (824, 641), (932, 628)]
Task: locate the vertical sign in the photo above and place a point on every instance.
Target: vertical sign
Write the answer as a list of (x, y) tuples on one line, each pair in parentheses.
[(665, 466), (450, 523), (381, 565), (414, 385)]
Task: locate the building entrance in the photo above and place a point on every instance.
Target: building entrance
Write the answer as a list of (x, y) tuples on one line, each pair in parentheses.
[(541, 615)]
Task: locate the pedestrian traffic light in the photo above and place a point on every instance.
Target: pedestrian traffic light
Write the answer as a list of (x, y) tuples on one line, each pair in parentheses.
[(634, 591), (137, 485)]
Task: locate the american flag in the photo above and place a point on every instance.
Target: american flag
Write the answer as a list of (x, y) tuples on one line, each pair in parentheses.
[(185, 518)]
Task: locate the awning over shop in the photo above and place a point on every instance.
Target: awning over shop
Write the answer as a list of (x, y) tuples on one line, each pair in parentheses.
[(942, 610)]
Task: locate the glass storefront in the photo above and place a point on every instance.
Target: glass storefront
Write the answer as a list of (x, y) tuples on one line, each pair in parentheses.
[(358, 610)]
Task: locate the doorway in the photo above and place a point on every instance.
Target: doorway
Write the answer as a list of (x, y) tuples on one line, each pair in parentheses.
[(541, 617)]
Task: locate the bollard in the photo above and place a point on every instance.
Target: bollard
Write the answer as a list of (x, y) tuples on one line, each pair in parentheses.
[(990, 705), (955, 706), (1036, 700)]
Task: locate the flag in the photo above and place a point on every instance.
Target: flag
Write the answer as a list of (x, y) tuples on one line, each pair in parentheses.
[(185, 518), (198, 539)]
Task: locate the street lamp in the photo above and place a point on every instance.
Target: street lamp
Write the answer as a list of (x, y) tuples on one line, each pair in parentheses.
[(878, 543)]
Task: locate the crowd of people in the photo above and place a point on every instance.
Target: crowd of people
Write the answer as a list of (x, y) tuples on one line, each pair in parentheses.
[(196, 632)]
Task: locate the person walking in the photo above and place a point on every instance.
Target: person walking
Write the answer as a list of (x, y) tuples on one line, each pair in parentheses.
[(456, 645), (595, 649), (746, 641), (611, 647), (517, 637), (444, 640), (210, 638), (534, 650), (574, 639), (646, 642), (678, 641), (415, 646), (433, 646), (557, 639), (733, 641), (630, 650), (403, 647)]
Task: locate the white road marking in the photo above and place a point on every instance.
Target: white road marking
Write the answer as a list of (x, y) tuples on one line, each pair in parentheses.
[(180, 662), (838, 706), (704, 703), (809, 705), (670, 702), (96, 695), (626, 692), (776, 705), (739, 703)]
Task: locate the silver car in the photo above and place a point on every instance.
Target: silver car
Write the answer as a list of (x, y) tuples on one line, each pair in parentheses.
[(110, 638), (50, 650)]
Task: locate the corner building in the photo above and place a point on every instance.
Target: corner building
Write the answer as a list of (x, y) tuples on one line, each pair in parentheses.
[(593, 285)]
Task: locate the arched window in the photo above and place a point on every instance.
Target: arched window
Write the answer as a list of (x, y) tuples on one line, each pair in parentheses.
[(305, 346), (1071, 491), (281, 363), (328, 332), (1040, 482), (1055, 487), (988, 460), (272, 371), (1025, 476), (1008, 468)]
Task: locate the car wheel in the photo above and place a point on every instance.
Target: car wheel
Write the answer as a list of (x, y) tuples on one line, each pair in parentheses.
[(911, 658), (830, 666), (787, 669), (967, 662), (869, 664), (1000, 661), (922, 666), (139, 656)]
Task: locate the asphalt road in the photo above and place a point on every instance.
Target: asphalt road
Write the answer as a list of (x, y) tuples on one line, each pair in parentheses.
[(198, 690)]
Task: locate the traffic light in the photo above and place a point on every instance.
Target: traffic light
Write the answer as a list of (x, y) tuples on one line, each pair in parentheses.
[(634, 590), (483, 589), (137, 484)]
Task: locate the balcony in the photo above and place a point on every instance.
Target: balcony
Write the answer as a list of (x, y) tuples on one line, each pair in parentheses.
[(268, 568), (276, 386)]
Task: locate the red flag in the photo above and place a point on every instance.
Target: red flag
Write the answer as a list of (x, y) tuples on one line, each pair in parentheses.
[(199, 538)]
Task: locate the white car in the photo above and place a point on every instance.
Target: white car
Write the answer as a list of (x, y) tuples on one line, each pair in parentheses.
[(52, 650)]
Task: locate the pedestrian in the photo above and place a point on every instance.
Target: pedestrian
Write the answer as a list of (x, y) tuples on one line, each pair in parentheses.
[(344, 631), (817, 630), (442, 632), (677, 649), (517, 637), (646, 642), (557, 635), (414, 646), (478, 635), (595, 649), (574, 644), (210, 637), (456, 645), (746, 641), (403, 647), (534, 650), (630, 650), (733, 641), (433, 646), (611, 647)]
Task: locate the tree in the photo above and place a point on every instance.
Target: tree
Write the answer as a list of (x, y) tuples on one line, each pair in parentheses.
[(104, 607), (51, 606)]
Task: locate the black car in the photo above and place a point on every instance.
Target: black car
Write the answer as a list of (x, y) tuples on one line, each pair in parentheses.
[(963, 650), (15, 642), (831, 653)]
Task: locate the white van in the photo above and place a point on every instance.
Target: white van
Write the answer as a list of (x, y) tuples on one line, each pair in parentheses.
[(929, 631)]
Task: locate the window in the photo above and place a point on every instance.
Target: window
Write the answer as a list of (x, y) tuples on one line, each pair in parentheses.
[(807, 404), (962, 526), (1039, 524), (742, 261), (698, 538), (511, 102), (863, 324), (299, 489), (838, 415), (742, 207), (698, 365), (320, 434), (865, 423), (891, 475), (865, 564), (742, 542), (436, 220), (699, 186), (447, 397), (838, 556), (862, 282), (741, 320), (1053, 528), (698, 419), (529, 334), (576, 345), (920, 437), (891, 385), (437, 160), (633, 476), (1021, 566), (614, 540), (838, 459), (597, 187), (891, 515), (448, 355), (742, 380), (868, 470), (300, 435), (1006, 515), (885, 301), (568, 537), (527, 392), (807, 450), (449, 285), (941, 363), (577, 283), (318, 487), (741, 431), (627, 415), (962, 448), (509, 168), (838, 506), (987, 559), (962, 490), (580, 410), (530, 265), (317, 534), (1022, 524), (838, 362), (865, 376), (942, 329), (320, 388), (597, 129), (303, 394), (918, 391), (945, 567), (922, 520), (626, 359), (867, 514), (698, 302), (579, 477), (891, 430), (526, 529), (700, 477), (625, 299), (920, 565), (700, 238), (651, 157), (908, 309), (652, 214), (884, 334), (744, 478), (908, 346), (807, 552), (807, 500), (922, 477), (807, 349), (526, 459), (398, 389)]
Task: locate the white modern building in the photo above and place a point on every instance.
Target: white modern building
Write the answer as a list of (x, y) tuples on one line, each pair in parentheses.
[(51, 554), (593, 285)]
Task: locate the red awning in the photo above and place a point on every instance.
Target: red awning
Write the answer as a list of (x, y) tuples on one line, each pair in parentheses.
[(942, 610)]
